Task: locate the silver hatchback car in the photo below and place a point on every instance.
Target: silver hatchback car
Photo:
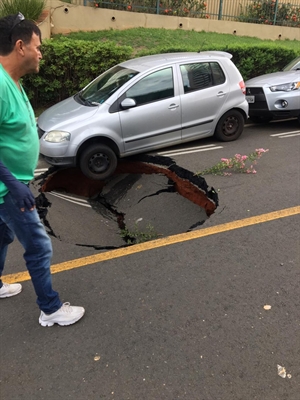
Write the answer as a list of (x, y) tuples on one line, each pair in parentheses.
[(142, 105)]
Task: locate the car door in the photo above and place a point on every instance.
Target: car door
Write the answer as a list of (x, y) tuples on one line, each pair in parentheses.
[(155, 120), (205, 90)]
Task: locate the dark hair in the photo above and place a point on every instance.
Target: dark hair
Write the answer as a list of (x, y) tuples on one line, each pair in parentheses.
[(11, 30)]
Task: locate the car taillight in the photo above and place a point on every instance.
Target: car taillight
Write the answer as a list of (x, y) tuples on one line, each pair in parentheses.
[(243, 87)]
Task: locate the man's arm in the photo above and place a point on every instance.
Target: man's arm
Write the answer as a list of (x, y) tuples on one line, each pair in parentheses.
[(20, 191)]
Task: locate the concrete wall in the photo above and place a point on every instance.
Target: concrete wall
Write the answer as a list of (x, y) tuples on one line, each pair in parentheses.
[(45, 25), (65, 18)]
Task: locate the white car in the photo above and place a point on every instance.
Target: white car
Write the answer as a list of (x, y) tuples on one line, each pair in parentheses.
[(274, 96)]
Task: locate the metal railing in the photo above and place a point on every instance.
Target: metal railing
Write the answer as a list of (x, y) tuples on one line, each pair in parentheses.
[(271, 12)]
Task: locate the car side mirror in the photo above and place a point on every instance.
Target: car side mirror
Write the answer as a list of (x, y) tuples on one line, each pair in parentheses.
[(128, 103)]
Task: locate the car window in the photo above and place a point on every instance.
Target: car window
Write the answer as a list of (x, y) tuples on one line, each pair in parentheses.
[(106, 84), (199, 76), (217, 73), (154, 87)]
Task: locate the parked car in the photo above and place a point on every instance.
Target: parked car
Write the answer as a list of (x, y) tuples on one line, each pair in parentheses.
[(142, 105), (274, 96), (294, 64)]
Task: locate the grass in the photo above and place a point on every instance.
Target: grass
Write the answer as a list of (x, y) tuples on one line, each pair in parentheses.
[(148, 39), (136, 236)]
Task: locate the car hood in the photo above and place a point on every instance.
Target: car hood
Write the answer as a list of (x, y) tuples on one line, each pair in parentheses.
[(276, 78), (64, 113)]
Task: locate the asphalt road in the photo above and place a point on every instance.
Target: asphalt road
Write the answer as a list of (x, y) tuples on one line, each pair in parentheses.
[(181, 317)]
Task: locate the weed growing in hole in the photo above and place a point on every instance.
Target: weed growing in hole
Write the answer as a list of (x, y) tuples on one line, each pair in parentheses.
[(136, 236), (238, 163)]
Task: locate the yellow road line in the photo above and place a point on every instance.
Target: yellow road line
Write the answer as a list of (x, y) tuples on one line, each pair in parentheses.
[(182, 237)]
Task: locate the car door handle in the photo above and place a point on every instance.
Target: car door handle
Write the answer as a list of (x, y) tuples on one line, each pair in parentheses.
[(173, 106), (221, 94)]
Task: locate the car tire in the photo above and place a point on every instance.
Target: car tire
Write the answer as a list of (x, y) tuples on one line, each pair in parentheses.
[(98, 162), (230, 126)]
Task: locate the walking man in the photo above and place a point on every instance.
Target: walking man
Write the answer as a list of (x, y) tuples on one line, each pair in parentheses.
[(20, 54)]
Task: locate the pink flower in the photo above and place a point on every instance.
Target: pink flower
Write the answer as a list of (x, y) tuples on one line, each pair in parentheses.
[(261, 150)]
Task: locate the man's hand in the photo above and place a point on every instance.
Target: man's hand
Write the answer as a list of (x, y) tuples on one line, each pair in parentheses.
[(20, 192)]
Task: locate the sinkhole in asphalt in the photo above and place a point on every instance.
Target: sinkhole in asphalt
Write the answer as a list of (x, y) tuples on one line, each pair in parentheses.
[(148, 197)]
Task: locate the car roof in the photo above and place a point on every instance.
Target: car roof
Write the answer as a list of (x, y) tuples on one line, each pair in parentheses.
[(147, 62)]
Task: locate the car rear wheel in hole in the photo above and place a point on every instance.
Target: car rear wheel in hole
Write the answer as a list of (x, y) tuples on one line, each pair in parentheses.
[(230, 126), (98, 161)]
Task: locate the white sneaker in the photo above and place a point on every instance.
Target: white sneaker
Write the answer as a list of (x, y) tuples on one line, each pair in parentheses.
[(8, 290), (66, 315)]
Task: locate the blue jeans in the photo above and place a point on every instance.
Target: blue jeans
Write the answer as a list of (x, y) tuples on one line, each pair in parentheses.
[(31, 233)]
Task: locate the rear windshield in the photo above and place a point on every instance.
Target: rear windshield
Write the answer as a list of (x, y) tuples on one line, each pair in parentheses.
[(106, 84)]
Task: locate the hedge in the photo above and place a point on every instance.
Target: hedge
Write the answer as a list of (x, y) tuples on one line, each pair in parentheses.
[(69, 65)]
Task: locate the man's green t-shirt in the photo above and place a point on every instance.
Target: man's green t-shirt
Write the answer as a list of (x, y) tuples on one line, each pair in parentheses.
[(19, 142)]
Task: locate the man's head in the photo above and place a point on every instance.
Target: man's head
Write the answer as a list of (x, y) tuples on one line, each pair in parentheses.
[(13, 28), (20, 42)]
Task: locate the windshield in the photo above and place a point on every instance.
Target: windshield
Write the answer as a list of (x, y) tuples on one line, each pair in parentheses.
[(295, 64), (106, 84)]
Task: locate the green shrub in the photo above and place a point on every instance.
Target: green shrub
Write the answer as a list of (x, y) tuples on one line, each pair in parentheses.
[(266, 12), (184, 8), (178, 8), (69, 65), (258, 60), (31, 9), (250, 60)]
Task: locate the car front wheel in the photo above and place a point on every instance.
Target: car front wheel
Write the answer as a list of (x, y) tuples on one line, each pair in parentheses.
[(98, 162), (230, 126)]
